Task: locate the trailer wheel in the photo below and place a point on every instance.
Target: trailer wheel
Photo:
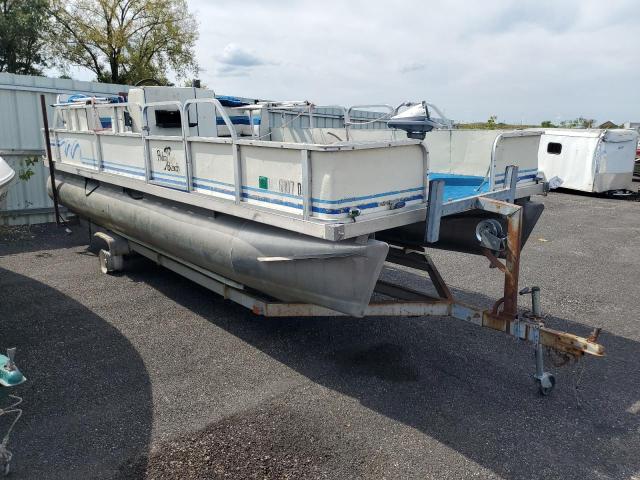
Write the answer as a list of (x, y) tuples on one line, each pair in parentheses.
[(546, 384)]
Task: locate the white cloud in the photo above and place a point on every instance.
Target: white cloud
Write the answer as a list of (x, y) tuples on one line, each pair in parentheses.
[(236, 60), (521, 60)]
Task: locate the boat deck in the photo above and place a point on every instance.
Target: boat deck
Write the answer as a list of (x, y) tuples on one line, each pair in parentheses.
[(333, 191), (461, 186)]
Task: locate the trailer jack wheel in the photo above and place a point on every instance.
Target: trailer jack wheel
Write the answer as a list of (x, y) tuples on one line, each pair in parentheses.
[(546, 383)]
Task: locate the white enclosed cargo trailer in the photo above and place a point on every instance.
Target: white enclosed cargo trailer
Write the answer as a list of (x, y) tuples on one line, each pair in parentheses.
[(591, 160)]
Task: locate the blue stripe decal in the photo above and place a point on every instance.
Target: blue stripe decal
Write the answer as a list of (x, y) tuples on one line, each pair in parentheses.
[(198, 183), (246, 195), (200, 179), (89, 161), (332, 211), (366, 197), (167, 180), (298, 197), (123, 170), (214, 189), (272, 200), (136, 171), (244, 187), (139, 171), (123, 166), (271, 192)]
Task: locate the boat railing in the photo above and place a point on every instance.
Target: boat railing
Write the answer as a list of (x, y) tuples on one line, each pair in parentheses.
[(174, 159), (491, 174), (348, 121), (184, 138), (345, 118), (217, 108), (235, 151), (148, 137)]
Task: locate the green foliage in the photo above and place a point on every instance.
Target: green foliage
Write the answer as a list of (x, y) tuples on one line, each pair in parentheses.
[(491, 124), (22, 45), (579, 122), (27, 172), (125, 41), (189, 83)]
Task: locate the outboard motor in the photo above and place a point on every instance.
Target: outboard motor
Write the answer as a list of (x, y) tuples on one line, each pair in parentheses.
[(415, 120)]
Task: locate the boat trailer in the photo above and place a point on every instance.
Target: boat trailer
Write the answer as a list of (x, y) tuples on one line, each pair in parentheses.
[(504, 316)]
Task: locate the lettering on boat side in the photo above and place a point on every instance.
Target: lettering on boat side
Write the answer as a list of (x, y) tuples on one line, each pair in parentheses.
[(164, 156), (286, 186), (289, 187)]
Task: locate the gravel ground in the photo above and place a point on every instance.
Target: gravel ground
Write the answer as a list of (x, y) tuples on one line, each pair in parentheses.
[(146, 375)]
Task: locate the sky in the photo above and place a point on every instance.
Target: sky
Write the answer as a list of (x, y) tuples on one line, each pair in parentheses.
[(524, 61)]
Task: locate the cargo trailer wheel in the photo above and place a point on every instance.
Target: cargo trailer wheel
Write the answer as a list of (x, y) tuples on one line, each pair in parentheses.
[(110, 263), (546, 383)]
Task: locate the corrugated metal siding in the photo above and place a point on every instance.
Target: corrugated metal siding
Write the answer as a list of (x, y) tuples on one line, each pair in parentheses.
[(21, 138), (20, 115), (27, 201)]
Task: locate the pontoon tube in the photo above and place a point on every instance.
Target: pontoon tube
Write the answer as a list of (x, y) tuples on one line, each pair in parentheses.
[(288, 266)]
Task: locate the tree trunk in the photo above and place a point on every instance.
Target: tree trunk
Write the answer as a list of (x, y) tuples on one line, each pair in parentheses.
[(115, 67)]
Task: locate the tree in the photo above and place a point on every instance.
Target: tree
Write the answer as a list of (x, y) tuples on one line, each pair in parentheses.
[(125, 41), (22, 23), (491, 123), (587, 122), (547, 124), (580, 122)]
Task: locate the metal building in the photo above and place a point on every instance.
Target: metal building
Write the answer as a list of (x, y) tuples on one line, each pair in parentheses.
[(21, 141)]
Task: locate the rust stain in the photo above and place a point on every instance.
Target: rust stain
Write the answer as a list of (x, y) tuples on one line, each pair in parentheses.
[(569, 343), (512, 262)]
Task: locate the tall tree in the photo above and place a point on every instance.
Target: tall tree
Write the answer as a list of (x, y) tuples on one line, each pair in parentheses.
[(22, 24), (125, 41)]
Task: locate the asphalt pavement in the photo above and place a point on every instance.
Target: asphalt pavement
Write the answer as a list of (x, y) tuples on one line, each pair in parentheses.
[(144, 374)]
